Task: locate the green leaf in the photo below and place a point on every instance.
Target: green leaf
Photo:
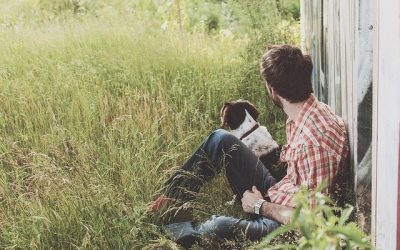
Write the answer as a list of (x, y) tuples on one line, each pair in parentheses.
[(305, 230), (329, 215), (321, 187), (352, 233), (348, 245), (275, 233), (345, 214), (277, 247), (296, 214)]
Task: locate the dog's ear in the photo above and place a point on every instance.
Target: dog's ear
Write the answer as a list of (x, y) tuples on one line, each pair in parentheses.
[(224, 114), (232, 115), (251, 109), (235, 114)]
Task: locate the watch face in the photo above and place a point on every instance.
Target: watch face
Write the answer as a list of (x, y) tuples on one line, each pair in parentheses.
[(257, 206)]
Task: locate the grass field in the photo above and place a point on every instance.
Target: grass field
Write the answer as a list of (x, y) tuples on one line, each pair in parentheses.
[(96, 112)]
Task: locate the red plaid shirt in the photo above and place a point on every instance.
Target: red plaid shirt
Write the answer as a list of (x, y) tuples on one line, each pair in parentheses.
[(317, 147)]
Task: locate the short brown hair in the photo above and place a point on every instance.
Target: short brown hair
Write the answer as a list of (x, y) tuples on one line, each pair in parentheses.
[(288, 72)]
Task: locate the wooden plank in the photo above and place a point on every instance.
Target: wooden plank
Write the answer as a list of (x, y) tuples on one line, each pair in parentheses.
[(398, 198), (363, 102), (375, 77), (336, 24), (388, 89), (335, 54)]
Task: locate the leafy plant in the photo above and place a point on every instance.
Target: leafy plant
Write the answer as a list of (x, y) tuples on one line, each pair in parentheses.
[(319, 226)]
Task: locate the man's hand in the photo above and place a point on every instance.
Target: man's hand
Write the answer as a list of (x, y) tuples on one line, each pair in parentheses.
[(250, 197), (270, 210)]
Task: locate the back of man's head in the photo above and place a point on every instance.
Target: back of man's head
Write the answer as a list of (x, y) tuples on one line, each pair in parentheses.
[(288, 72)]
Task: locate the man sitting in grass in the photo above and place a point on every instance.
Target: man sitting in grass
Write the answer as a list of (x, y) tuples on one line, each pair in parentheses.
[(316, 151)]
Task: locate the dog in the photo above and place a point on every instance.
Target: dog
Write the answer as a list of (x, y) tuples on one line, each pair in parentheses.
[(241, 118)]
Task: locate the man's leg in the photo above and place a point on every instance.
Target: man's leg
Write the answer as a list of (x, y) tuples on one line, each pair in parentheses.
[(221, 150), (225, 227), (222, 227)]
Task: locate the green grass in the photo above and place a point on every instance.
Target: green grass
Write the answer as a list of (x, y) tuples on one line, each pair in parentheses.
[(94, 115)]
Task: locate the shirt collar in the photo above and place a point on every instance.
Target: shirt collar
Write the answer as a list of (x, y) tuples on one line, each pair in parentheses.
[(302, 118)]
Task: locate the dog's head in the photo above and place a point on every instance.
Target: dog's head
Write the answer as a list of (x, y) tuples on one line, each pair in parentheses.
[(233, 113)]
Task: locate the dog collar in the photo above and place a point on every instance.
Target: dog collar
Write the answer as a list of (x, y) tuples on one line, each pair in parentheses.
[(250, 131)]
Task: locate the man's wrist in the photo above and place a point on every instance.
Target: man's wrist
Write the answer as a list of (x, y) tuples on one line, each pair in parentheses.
[(277, 212), (258, 206)]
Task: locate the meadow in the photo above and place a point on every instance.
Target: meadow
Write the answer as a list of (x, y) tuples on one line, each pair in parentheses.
[(99, 104)]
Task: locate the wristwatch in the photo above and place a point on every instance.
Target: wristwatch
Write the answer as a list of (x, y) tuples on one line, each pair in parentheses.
[(258, 205)]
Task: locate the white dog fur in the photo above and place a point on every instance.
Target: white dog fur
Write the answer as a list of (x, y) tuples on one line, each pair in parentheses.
[(260, 140)]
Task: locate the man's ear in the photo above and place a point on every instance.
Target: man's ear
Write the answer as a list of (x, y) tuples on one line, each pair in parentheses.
[(273, 92)]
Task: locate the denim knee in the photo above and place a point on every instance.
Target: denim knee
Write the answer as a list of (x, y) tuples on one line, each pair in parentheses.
[(228, 227), (220, 226), (218, 134), (224, 138)]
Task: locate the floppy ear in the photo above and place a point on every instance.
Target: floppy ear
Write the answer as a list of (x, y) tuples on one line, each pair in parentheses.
[(251, 109), (235, 114), (224, 114)]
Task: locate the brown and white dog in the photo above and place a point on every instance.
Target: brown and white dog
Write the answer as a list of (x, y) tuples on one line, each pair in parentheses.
[(241, 118)]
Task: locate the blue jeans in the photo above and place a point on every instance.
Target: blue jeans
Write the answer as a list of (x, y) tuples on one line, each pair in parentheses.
[(220, 151)]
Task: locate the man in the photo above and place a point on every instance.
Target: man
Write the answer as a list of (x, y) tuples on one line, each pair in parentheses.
[(315, 152)]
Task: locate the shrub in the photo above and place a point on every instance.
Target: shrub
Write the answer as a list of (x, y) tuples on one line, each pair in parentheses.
[(320, 227)]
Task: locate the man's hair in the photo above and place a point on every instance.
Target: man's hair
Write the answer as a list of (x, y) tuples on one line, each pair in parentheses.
[(288, 72)]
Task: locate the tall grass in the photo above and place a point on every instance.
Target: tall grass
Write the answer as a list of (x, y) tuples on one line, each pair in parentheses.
[(94, 113)]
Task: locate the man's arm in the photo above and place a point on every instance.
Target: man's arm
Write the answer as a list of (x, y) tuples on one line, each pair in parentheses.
[(280, 213)]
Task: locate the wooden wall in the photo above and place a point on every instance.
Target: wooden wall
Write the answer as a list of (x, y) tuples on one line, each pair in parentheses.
[(355, 47), (387, 124), (338, 36)]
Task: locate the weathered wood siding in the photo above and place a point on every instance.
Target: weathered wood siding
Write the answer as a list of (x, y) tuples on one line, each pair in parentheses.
[(387, 124), (338, 36), (355, 47)]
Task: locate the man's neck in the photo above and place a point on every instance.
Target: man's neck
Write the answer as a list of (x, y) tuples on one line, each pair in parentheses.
[(292, 110)]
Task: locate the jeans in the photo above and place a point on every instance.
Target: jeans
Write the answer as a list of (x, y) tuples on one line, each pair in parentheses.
[(221, 151)]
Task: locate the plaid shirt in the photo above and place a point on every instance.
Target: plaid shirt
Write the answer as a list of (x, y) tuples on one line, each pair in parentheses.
[(317, 147)]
